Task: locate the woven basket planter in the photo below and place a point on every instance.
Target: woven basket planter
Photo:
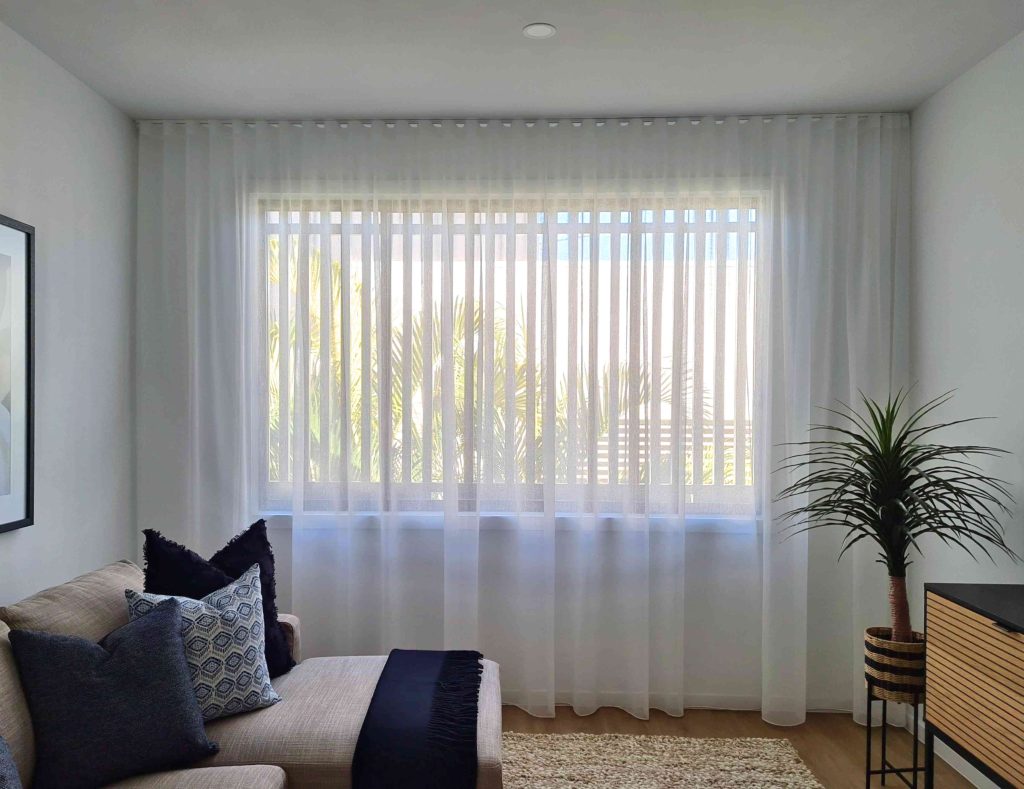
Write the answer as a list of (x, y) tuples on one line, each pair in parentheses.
[(895, 668)]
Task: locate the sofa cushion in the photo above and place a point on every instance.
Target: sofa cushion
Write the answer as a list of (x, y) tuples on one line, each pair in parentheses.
[(15, 723), (223, 636), (89, 606), (107, 711), (173, 569), (312, 733), (257, 776)]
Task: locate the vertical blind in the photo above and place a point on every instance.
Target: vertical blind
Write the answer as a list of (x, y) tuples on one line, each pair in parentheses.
[(619, 333)]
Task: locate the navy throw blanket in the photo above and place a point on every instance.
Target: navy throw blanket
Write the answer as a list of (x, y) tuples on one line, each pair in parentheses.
[(420, 729)]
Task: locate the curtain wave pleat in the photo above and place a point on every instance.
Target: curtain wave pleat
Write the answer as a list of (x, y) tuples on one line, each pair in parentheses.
[(519, 386)]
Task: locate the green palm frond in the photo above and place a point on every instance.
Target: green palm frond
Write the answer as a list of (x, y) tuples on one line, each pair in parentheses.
[(878, 475)]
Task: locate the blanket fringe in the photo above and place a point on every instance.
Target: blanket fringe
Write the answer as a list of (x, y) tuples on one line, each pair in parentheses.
[(453, 713)]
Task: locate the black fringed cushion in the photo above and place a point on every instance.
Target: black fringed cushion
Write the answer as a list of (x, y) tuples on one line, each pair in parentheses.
[(173, 569), (108, 711)]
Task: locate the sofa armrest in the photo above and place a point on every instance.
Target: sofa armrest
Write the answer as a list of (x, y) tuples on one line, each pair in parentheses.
[(290, 625)]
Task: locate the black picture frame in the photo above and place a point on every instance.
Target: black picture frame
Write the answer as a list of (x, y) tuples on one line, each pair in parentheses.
[(29, 339)]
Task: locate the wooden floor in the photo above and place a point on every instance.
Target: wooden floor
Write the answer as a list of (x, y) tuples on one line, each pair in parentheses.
[(832, 745)]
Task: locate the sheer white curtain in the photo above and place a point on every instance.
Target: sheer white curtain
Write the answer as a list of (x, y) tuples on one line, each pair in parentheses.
[(496, 372)]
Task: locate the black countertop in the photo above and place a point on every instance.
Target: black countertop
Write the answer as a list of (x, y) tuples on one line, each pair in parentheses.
[(1003, 603)]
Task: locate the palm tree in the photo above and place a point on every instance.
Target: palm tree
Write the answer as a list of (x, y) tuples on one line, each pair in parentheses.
[(879, 477)]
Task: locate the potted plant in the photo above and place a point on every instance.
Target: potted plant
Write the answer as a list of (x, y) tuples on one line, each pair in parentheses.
[(879, 476)]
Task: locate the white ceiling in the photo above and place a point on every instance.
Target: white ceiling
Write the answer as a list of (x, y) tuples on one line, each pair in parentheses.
[(444, 58)]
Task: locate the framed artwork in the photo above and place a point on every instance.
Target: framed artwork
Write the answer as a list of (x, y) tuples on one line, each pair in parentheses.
[(17, 249)]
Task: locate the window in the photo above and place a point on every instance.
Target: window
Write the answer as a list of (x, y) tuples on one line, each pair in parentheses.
[(599, 352)]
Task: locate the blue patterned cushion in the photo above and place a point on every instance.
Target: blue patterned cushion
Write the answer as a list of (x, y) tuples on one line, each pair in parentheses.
[(8, 770), (224, 645)]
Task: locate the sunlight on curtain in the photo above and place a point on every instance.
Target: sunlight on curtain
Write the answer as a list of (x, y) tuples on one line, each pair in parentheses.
[(518, 385)]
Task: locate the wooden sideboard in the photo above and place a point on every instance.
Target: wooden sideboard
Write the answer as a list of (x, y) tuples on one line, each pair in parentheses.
[(974, 700)]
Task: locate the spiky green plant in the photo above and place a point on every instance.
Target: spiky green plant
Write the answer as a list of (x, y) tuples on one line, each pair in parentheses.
[(880, 476)]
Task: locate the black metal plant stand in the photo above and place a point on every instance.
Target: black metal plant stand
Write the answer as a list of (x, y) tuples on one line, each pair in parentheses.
[(887, 767)]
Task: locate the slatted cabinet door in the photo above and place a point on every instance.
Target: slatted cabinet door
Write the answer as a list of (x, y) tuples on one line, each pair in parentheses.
[(975, 685)]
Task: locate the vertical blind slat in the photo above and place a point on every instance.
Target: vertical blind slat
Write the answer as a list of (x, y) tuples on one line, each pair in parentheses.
[(657, 289), (532, 240), (594, 391), (285, 342), (428, 239), (549, 384), (469, 336), (740, 408), (344, 335), (636, 307), (572, 306), (302, 367), (488, 250), (511, 264), (697, 413), (324, 355), (384, 275), (613, 365), (366, 345), (449, 426), (407, 332), (721, 269), (679, 359)]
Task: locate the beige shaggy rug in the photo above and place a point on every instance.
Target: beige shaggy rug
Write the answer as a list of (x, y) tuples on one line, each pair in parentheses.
[(613, 761)]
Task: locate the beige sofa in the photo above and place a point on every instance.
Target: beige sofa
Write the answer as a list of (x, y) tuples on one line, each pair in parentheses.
[(306, 740)]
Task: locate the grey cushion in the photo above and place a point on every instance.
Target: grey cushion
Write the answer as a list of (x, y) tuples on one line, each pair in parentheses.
[(9, 778), (103, 712), (312, 733), (257, 776), (224, 645)]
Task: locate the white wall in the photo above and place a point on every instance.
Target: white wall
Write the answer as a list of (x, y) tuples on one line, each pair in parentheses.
[(67, 166), (968, 279)]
